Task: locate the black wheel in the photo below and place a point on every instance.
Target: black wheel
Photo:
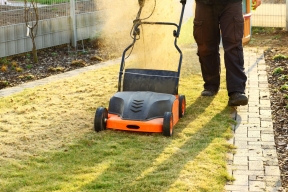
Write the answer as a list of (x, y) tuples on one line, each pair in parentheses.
[(168, 124), (182, 105), (101, 116)]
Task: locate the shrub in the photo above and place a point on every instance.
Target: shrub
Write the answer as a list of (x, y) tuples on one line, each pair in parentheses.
[(4, 61), (4, 68), (284, 87), (14, 64), (279, 56), (4, 84), (19, 69), (79, 63), (283, 77), (278, 70), (54, 69)]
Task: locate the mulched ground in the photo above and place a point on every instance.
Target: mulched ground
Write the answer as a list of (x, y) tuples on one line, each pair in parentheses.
[(278, 81), (19, 69)]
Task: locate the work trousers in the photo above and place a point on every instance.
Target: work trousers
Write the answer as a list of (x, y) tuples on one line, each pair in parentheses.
[(210, 22)]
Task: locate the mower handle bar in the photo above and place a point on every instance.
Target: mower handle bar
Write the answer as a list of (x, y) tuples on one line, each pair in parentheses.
[(176, 34)]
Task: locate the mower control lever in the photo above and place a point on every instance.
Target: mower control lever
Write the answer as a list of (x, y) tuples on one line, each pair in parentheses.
[(141, 3), (183, 1)]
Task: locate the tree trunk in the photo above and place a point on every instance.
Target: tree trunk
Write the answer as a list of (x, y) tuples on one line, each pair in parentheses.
[(34, 51)]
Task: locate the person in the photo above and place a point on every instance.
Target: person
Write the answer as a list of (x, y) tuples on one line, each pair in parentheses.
[(215, 19)]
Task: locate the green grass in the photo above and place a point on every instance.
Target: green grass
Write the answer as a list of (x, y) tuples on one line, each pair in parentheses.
[(186, 33), (265, 30), (50, 144)]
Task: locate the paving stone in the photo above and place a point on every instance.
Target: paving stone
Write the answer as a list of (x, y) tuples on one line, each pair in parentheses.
[(241, 152), (243, 138), (241, 180), (254, 128), (249, 172), (274, 189), (255, 143), (264, 85), (256, 178), (254, 115), (272, 170), (267, 131), (257, 186), (240, 160), (254, 134), (254, 120), (267, 137), (265, 102), (274, 179), (241, 144), (256, 165), (266, 124), (241, 135), (237, 188), (241, 130), (229, 170), (240, 167), (255, 152), (271, 152)]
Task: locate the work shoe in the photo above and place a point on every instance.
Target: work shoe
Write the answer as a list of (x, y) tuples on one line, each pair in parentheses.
[(208, 93), (237, 99)]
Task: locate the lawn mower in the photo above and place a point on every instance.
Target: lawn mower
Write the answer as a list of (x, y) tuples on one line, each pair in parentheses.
[(148, 100)]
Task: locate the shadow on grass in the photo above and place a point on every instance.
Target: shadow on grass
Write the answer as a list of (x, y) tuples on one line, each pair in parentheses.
[(120, 161)]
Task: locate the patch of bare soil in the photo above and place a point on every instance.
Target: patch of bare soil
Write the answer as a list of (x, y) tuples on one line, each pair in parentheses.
[(275, 42)]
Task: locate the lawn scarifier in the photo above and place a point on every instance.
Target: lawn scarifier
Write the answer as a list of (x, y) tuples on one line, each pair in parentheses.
[(148, 101)]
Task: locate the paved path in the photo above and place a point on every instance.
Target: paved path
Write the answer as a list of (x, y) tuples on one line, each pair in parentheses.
[(255, 164)]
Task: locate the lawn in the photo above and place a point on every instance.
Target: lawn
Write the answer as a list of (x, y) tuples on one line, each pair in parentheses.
[(47, 141)]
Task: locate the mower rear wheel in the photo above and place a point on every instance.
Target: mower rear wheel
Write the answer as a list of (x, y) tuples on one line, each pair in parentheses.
[(168, 124), (101, 116), (182, 105)]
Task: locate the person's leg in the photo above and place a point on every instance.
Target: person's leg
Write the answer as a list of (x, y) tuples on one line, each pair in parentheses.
[(232, 28), (207, 36)]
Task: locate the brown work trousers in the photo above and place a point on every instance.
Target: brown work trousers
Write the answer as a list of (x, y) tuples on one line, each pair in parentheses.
[(209, 21)]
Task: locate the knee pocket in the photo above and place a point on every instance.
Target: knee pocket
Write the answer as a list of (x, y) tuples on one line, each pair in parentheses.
[(235, 31), (197, 31), (204, 32)]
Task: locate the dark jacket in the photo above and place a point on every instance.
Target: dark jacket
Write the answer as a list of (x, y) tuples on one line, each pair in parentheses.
[(217, 1)]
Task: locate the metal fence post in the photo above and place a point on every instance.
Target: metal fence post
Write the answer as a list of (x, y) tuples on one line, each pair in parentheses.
[(73, 23), (286, 15)]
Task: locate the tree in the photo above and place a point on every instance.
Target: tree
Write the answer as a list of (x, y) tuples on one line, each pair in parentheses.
[(31, 19)]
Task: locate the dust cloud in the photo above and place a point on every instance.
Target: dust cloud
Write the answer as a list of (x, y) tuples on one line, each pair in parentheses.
[(155, 47)]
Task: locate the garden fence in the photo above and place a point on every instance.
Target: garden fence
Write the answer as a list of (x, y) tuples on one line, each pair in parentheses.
[(58, 24), (271, 13)]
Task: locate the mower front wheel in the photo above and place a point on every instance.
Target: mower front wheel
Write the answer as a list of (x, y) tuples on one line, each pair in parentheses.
[(100, 119), (168, 124)]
